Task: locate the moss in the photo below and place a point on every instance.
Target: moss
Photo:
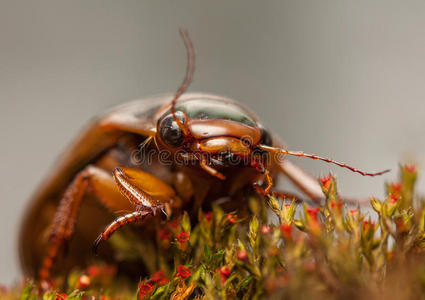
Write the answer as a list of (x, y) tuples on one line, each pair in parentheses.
[(330, 251)]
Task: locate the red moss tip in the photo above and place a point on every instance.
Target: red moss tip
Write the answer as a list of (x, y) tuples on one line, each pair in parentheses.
[(394, 198), (61, 296), (354, 211), (265, 229), (183, 271), (182, 237), (286, 230), (337, 204), (242, 255), (326, 181), (396, 187), (410, 168), (312, 212), (93, 271), (224, 273), (208, 216), (145, 287), (367, 224), (159, 278), (231, 218), (84, 282)]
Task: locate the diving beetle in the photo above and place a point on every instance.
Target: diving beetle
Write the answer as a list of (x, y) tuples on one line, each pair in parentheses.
[(222, 148)]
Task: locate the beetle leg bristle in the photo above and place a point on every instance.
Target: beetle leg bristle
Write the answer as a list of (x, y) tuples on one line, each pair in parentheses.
[(146, 142), (156, 143), (204, 165), (117, 224), (313, 156)]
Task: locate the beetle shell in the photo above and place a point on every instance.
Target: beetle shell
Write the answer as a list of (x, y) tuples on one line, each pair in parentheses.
[(100, 146)]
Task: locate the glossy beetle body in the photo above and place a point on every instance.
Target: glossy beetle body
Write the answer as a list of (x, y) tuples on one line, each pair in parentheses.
[(103, 147), (195, 149)]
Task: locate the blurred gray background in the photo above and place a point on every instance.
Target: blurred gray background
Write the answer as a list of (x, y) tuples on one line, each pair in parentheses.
[(338, 78)]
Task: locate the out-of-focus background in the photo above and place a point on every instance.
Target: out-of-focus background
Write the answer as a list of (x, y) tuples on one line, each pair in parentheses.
[(344, 79)]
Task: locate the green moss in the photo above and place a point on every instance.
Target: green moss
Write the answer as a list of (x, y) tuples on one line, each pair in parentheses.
[(326, 252)]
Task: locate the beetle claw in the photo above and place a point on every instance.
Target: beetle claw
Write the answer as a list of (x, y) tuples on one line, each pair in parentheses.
[(96, 244), (165, 212)]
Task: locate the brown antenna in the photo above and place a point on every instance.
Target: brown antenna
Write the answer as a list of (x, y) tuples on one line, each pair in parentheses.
[(190, 69), (313, 156)]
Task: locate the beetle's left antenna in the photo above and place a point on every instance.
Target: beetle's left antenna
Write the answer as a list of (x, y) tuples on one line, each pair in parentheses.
[(313, 156), (190, 69)]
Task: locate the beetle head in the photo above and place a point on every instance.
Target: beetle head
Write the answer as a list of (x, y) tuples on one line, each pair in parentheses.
[(214, 131), (219, 132)]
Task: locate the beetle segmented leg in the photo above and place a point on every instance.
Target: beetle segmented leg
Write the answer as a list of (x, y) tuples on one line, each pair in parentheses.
[(143, 189), (134, 194), (117, 224), (313, 156), (255, 163), (204, 165), (91, 179), (114, 195)]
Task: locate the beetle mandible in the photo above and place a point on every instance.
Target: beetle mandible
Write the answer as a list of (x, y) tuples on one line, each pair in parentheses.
[(222, 148)]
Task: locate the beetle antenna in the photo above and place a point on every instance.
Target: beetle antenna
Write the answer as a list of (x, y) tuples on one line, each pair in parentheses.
[(313, 156), (190, 69)]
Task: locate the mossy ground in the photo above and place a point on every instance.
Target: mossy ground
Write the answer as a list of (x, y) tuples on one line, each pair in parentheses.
[(330, 251)]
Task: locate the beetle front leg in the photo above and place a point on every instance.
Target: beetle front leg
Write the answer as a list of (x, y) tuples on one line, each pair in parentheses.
[(146, 191), (269, 180), (118, 223)]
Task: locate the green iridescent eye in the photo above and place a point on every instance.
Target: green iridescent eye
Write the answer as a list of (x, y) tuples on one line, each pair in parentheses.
[(205, 109)]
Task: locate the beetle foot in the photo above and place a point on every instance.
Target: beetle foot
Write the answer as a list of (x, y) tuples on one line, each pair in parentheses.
[(165, 213), (155, 209), (96, 244)]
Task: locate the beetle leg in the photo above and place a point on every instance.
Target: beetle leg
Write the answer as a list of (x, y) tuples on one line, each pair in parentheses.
[(204, 165), (102, 185), (118, 223), (146, 191), (255, 163), (143, 189)]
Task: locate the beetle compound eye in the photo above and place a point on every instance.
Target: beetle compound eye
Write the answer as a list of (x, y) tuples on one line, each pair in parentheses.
[(170, 132)]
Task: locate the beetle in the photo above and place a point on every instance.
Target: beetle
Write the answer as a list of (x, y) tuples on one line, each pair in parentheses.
[(214, 146)]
